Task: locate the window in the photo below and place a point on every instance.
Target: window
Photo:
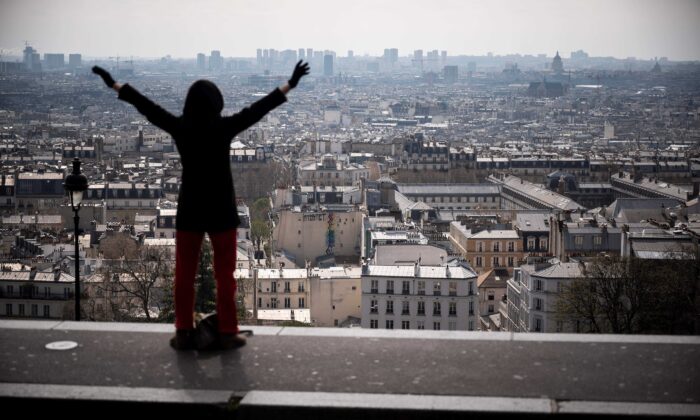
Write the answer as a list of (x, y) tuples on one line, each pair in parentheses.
[(287, 302), (273, 303), (470, 288), (538, 325), (21, 309), (511, 262), (471, 325), (260, 302), (538, 304), (375, 286), (453, 288), (511, 246), (479, 247), (578, 240), (35, 310), (389, 324), (436, 288), (496, 247), (471, 308), (405, 325), (390, 306), (273, 287), (538, 284), (453, 308), (496, 261), (421, 287), (421, 308), (597, 240), (8, 308), (420, 325), (530, 243), (390, 287), (543, 244), (302, 302), (404, 308), (287, 287), (405, 287), (47, 311), (10, 290), (373, 323), (436, 308), (373, 307), (300, 288), (491, 296), (452, 325), (436, 326), (478, 262), (491, 309)]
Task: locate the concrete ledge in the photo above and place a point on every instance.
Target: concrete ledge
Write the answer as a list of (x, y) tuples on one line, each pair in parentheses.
[(115, 393), (407, 406), (361, 333)]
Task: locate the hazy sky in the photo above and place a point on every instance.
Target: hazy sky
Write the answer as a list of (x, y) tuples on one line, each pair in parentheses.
[(182, 28)]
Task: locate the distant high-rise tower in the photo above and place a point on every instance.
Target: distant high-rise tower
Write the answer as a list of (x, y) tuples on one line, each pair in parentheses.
[(216, 62), (328, 65), (201, 62), (351, 54), (301, 54), (309, 54), (391, 56), (75, 61), (54, 61), (32, 61), (259, 57), (557, 65), (443, 57), (451, 74)]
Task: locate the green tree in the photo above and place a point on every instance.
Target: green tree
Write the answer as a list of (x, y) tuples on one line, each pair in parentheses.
[(205, 300)]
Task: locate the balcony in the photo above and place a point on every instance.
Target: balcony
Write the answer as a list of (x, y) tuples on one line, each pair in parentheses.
[(348, 373)]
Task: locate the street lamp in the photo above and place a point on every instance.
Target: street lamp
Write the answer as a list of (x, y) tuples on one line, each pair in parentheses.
[(76, 184)]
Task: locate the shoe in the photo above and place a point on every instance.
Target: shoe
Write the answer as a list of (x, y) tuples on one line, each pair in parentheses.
[(230, 341), (183, 340)]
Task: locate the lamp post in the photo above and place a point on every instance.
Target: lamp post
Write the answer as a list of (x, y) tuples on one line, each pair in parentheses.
[(76, 184)]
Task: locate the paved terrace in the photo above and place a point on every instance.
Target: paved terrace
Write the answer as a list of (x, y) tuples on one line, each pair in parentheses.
[(345, 373)]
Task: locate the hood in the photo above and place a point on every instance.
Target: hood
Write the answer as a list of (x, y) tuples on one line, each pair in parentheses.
[(204, 101)]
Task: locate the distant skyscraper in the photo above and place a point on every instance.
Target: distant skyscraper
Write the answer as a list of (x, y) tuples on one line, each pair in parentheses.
[(351, 54), (557, 65), (309, 54), (75, 61), (443, 57), (302, 54), (391, 56), (201, 62), (451, 74), (216, 62), (579, 55), (328, 65), (418, 55), (54, 61), (259, 57), (32, 61)]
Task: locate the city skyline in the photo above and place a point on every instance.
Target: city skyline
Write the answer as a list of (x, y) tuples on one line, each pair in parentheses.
[(644, 30)]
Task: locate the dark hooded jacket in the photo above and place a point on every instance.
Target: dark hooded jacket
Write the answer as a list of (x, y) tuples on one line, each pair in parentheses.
[(207, 200)]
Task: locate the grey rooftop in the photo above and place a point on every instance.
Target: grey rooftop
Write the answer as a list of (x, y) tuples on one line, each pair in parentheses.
[(352, 372)]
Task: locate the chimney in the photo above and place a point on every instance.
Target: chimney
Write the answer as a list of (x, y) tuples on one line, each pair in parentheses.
[(416, 269), (32, 273), (56, 274)]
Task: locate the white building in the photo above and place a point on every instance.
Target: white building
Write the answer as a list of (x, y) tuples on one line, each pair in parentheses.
[(335, 296), (532, 296), (331, 172), (32, 294), (419, 297)]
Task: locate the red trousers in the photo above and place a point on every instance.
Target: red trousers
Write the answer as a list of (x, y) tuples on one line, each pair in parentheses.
[(188, 245)]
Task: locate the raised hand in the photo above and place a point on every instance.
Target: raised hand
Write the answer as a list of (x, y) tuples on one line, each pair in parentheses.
[(104, 74), (300, 70)]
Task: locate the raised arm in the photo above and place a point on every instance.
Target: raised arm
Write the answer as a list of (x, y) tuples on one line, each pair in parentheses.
[(249, 116), (152, 111)]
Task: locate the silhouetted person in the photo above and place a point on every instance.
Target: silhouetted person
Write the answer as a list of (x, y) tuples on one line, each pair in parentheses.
[(207, 201)]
